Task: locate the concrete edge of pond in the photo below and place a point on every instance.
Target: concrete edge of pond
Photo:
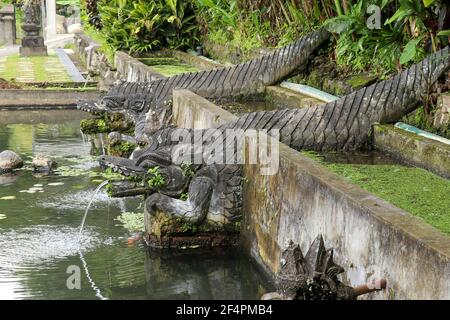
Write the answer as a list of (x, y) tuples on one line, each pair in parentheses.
[(61, 85), (42, 98), (134, 70), (289, 98), (197, 61), (414, 149), (370, 236)]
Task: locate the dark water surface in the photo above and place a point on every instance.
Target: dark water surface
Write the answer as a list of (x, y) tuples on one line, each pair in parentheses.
[(40, 218)]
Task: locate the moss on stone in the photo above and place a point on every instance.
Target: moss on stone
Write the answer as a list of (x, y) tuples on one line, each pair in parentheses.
[(361, 80), (122, 149), (109, 123), (415, 190), (93, 126), (159, 61)]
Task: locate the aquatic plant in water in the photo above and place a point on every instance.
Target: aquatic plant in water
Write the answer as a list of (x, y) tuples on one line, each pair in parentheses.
[(133, 222)]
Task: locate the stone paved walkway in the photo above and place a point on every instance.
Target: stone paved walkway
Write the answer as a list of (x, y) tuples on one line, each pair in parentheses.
[(37, 69)]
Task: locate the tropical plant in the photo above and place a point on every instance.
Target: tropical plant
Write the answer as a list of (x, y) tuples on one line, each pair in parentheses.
[(401, 40), (357, 45), (140, 26), (420, 24)]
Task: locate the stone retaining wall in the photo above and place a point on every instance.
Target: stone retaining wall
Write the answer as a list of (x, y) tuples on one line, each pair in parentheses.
[(414, 149), (303, 199), (133, 70), (29, 99), (96, 62)]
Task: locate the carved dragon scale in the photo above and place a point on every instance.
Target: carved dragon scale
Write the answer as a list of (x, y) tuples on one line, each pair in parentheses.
[(214, 198)]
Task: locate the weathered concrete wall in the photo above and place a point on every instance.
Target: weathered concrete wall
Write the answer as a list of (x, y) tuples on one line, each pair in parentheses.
[(231, 54), (200, 62), (133, 70), (414, 149), (369, 235), (290, 99), (16, 98), (192, 111), (304, 199)]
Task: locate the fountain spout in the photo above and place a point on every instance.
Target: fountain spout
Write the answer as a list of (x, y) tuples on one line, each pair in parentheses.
[(104, 183)]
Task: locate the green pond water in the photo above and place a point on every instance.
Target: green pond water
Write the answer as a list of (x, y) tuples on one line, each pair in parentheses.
[(40, 218)]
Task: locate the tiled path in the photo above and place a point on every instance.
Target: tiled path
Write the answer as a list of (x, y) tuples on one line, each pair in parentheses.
[(53, 68)]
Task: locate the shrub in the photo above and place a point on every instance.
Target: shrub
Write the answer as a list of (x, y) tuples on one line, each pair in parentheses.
[(142, 25)]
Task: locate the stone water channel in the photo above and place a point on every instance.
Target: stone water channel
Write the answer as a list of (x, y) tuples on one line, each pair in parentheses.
[(40, 217)]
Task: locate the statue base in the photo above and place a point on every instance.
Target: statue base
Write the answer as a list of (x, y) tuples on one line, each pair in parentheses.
[(202, 240), (33, 46), (33, 51)]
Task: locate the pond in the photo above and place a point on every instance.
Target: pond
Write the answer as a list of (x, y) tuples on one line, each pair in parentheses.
[(40, 218)]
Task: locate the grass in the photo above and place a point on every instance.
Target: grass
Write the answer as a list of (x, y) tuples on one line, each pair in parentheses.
[(415, 190), (11, 70)]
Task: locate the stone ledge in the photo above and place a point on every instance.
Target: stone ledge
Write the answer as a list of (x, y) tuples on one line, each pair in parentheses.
[(133, 70), (289, 98), (27, 99), (203, 64), (368, 234), (193, 111), (414, 149)]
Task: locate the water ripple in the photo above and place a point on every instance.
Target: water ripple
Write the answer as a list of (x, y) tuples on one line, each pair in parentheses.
[(40, 244)]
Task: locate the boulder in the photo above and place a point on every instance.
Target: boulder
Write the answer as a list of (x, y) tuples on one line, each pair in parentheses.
[(42, 164), (9, 161)]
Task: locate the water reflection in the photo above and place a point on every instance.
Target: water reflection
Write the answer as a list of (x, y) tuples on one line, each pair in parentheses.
[(202, 274)]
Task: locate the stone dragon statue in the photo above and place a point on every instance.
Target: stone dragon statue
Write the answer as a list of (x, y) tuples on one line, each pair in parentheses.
[(148, 105), (197, 197), (314, 276)]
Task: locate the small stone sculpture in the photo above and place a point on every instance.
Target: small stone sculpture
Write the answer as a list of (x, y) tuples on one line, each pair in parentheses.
[(313, 276), (32, 42)]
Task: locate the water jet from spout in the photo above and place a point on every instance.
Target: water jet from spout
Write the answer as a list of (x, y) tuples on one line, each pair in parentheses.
[(104, 183)]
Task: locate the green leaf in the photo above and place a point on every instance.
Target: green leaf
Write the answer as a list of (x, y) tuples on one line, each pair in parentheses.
[(428, 3), (410, 50), (444, 33), (338, 24), (400, 14)]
